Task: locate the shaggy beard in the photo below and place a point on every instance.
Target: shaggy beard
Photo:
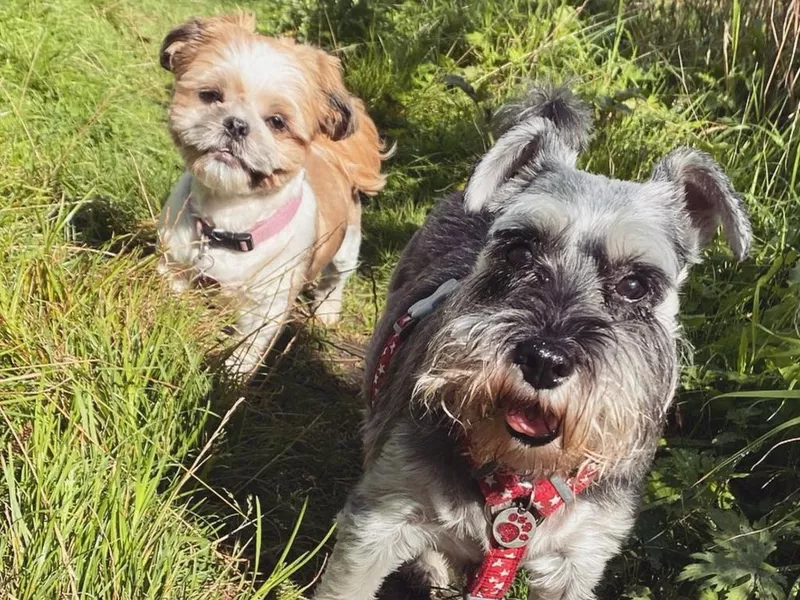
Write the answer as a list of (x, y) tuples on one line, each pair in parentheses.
[(603, 411), (255, 173), (222, 178)]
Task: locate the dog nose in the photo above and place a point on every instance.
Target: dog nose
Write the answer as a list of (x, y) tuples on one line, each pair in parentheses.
[(544, 364), (237, 128)]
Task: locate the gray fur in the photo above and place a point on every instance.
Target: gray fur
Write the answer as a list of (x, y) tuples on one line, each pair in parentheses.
[(556, 104), (708, 196), (546, 128), (452, 380)]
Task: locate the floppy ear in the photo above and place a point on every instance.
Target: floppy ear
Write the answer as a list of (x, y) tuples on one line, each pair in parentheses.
[(707, 197), (547, 127), (180, 45), (175, 47), (338, 119)]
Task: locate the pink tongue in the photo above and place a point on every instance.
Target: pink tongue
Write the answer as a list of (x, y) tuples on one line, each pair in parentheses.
[(530, 422)]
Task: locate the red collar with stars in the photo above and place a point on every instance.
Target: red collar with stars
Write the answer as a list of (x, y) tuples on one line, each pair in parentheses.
[(514, 505), (418, 311)]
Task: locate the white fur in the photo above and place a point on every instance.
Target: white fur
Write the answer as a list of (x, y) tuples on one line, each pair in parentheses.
[(331, 284), (497, 165), (264, 281), (420, 518)]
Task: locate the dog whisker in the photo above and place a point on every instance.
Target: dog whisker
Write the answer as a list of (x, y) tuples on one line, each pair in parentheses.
[(556, 356)]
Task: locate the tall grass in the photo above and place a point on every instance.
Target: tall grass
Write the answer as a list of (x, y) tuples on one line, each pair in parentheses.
[(129, 470)]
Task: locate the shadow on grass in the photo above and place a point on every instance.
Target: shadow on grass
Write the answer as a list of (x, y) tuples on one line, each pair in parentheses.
[(382, 236), (103, 224), (296, 436)]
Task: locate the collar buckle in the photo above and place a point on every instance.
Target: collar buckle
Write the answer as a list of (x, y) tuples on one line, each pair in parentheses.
[(422, 308), (244, 241), (232, 240)]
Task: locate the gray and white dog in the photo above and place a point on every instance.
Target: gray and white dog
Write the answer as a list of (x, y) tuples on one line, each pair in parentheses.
[(558, 348)]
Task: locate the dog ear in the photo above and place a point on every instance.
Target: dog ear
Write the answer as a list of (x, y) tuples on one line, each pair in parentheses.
[(708, 197), (547, 127), (178, 41), (338, 119), (180, 45)]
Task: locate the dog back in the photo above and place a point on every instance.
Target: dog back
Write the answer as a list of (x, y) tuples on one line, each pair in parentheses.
[(339, 172)]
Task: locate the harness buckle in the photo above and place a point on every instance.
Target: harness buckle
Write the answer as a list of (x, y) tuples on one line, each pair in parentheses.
[(424, 307)]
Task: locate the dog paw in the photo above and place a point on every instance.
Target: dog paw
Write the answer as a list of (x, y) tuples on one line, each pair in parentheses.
[(179, 284), (328, 312), (243, 363)]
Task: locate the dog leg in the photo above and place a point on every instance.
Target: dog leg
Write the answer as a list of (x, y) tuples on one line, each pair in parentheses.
[(179, 282), (592, 535), (416, 580), (328, 293), (566, 580), (372, 543), (260, 325)]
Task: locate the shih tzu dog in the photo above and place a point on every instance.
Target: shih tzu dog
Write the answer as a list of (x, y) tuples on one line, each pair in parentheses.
[(521, 373), (277, 154)]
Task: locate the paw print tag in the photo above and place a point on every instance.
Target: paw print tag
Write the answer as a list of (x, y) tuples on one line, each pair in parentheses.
[(513, 527)]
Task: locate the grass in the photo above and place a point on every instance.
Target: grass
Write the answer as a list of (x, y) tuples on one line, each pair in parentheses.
[(129, 469)]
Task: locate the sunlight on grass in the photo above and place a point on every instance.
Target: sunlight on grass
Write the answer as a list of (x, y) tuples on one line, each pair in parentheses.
[(130, 469)]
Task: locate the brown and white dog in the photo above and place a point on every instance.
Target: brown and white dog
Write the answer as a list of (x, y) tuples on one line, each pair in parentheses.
[(277, 153)]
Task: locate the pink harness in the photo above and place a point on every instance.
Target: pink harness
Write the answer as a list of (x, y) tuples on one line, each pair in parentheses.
[(246, 241), (514, 506)]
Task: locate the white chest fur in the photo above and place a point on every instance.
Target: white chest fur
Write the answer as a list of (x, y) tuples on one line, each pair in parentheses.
[(262, 282), (285, 254)]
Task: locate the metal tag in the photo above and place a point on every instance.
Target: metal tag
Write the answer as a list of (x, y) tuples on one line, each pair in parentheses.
[(513, 527), (203, 261)]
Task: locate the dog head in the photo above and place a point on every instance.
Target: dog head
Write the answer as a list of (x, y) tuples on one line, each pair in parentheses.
[(561, 344), (246, 107)]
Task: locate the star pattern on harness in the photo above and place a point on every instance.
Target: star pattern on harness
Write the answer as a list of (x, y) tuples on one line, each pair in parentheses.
[(499, 488)]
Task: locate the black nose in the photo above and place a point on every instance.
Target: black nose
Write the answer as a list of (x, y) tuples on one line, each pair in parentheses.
[(544, 364), (237, 128)]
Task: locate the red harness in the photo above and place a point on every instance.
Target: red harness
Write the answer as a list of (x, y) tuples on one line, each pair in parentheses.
[(514, 505)]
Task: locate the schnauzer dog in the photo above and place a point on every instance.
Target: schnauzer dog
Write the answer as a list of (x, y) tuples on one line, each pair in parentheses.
[(521, 372)]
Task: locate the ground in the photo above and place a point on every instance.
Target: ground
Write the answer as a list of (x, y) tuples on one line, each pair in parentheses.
[(130, 469)]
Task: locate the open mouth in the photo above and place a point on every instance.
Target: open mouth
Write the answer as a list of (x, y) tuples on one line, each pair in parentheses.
[(532, 425)]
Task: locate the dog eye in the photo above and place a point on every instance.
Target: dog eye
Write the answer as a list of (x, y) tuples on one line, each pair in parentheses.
[(631, 288), (276, 122), (519, 255), (210, 96)]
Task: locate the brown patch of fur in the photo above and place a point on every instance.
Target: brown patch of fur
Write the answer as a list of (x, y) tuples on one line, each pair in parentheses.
[(179, 48), (338, 172), (479, 404), (332, 137), (360, 154)]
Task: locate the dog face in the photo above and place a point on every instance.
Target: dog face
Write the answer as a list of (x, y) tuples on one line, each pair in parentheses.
[(560, 346), (245, 107)]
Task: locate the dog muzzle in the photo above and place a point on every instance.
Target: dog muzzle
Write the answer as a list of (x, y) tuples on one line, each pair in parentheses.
[(514, 506)]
